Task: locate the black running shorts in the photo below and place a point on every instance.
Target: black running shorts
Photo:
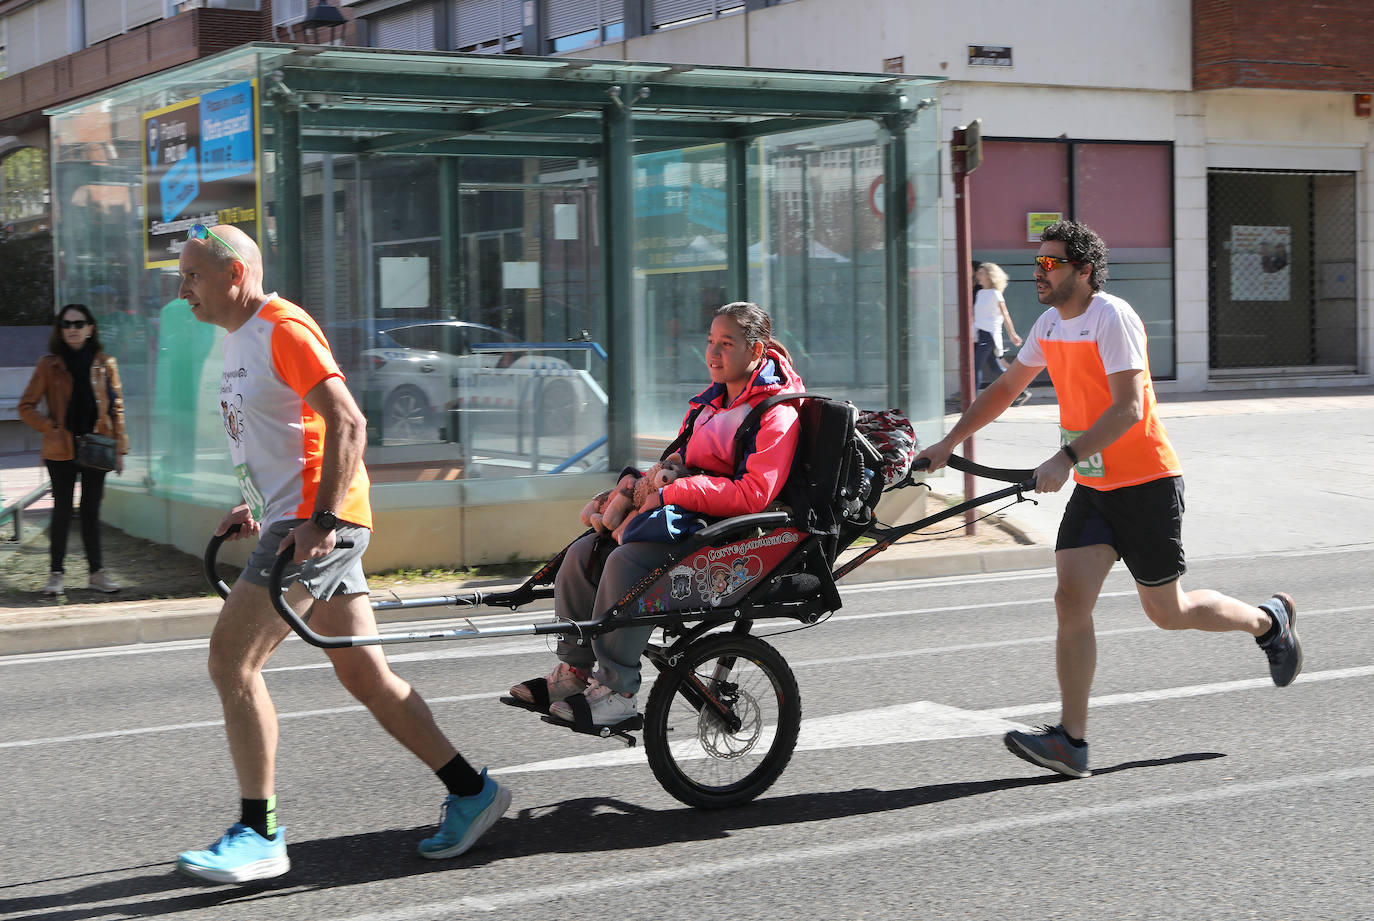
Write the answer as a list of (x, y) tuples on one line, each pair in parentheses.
[(1143, 523)]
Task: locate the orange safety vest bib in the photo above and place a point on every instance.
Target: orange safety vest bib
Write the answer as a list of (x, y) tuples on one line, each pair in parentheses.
[(1139, 456)]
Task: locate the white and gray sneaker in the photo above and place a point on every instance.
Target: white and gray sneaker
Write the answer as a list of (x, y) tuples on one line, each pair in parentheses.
[(54, 586), (103, 583), (608, 707)]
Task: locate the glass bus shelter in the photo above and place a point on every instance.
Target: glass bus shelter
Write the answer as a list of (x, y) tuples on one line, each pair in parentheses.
[(515, 260)]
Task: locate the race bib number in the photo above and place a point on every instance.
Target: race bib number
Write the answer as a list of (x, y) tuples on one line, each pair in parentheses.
[(251, 494), (1088, 466)]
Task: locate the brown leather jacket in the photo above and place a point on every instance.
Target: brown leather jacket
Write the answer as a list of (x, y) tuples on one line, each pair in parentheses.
[(52, 380)]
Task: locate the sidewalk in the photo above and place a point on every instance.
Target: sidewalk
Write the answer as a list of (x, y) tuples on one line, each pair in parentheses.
[(1265, 471)]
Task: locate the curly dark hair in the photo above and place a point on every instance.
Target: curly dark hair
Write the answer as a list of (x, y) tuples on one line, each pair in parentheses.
[(55, 341), (1082, 246)]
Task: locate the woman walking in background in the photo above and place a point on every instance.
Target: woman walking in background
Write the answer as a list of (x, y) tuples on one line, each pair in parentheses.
[(989, 315), (80, 387)]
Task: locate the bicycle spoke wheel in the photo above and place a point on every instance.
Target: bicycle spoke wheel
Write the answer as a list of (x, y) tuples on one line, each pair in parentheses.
[(709, 759)]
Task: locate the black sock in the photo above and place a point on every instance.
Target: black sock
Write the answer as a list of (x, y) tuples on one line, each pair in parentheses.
[(1076, 743), (1273, 630), (459, 777), (259, 815)]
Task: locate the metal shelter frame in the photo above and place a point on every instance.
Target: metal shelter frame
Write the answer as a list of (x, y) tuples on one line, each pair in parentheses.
[(374, 102)]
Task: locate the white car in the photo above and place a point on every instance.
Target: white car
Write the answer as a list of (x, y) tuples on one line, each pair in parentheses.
[(426, 369)]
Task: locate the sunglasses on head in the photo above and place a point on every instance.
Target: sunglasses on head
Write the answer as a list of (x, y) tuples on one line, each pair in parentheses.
[(201, 232), (74, 324), (1050, 263)]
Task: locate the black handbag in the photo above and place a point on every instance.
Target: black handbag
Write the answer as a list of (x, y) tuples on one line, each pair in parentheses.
[(95, 452)]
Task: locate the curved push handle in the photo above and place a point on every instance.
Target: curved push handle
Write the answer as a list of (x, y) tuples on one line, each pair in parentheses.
[(288, 614), (208, 561)]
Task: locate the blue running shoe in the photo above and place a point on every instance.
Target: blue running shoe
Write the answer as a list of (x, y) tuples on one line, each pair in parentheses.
[(241, 855), (1050, 748), (463, 819), (1285, 649)]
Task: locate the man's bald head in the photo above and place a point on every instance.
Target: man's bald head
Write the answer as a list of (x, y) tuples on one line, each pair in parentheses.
[(234, 245), (221, 276)]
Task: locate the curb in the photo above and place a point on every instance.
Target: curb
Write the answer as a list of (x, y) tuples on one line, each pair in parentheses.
[(168, 621)]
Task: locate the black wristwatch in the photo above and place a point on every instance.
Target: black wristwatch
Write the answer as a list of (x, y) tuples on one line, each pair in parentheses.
[(325, 520)]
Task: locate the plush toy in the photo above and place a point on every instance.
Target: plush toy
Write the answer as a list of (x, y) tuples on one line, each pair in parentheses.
[(615, 508)]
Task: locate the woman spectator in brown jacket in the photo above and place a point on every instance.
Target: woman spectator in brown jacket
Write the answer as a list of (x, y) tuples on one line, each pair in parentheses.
[(79, 385)]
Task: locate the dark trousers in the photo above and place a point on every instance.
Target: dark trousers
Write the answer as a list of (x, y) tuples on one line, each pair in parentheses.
[(983, 352), (64, 474)]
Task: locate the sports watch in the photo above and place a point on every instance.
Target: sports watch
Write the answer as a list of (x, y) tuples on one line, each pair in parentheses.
[(325, 520)]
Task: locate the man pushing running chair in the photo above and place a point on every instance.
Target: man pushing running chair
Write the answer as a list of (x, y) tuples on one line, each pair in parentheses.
[(596, 681)]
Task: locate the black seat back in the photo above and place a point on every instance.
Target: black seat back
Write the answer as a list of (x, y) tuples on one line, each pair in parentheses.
[(831, 489)]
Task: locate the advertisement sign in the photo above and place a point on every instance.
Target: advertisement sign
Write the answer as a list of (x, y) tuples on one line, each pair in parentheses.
[(680, 208), (200, 166), (1259, 263)]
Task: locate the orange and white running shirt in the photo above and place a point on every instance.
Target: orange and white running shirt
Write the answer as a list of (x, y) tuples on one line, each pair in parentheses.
[(1107, 338), (276, 440)]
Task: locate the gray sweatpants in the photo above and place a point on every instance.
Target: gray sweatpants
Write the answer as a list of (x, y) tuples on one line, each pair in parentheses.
[(616, 654)]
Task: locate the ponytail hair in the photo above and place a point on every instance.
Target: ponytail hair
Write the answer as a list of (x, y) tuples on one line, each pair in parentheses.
[(753, 320)]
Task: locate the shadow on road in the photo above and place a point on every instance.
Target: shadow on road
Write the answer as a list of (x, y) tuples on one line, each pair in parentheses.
[(587, 824)]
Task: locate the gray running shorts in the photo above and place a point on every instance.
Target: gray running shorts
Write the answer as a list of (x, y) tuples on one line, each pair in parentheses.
[(341, 572)]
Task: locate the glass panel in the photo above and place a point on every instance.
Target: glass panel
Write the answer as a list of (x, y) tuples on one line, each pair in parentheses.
[(169, 361), (680, 279), (816, 256)]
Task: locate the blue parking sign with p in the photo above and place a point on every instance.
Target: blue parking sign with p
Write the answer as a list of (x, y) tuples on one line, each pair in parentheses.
[(226, 133)]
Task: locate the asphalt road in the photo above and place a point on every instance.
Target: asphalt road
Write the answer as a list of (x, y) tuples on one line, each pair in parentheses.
[(1215, 796)]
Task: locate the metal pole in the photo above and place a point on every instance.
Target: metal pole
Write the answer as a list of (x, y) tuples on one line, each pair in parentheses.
[(896, 246), (964, 254), (617, 263)]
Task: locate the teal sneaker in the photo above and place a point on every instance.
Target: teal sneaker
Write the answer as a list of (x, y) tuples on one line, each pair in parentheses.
[(241, 855), (463, 819)]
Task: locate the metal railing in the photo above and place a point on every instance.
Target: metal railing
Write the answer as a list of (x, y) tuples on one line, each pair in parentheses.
[(14, 511)]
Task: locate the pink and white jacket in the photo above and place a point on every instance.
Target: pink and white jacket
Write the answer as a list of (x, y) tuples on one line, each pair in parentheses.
[(721, 490)]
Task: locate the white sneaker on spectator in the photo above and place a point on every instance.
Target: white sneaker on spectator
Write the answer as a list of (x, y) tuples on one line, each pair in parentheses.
[(103, 583), (54, 586)]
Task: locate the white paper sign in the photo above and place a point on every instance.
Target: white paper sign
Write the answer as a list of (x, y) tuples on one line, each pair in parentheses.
[(405, 282), (520, 275)]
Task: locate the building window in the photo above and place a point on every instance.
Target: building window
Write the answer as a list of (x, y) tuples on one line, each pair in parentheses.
[(286, 12), (488, 25), (668, 13), (411, 29), (575, 24), (1124, 191), (24, 185)]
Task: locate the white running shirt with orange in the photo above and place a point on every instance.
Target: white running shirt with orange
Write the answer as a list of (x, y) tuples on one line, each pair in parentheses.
[(1107, 338), (276, 441)]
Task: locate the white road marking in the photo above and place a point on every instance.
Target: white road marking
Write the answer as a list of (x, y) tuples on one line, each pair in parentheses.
[(825, 854), (1004, 712), (920, 721), (923, 721)]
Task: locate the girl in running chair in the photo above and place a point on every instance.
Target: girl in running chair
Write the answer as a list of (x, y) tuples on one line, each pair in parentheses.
[(746, 365)]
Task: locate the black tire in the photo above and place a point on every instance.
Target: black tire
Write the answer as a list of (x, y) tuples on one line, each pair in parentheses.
[(559, 408), (406, 416), (711, 767)]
